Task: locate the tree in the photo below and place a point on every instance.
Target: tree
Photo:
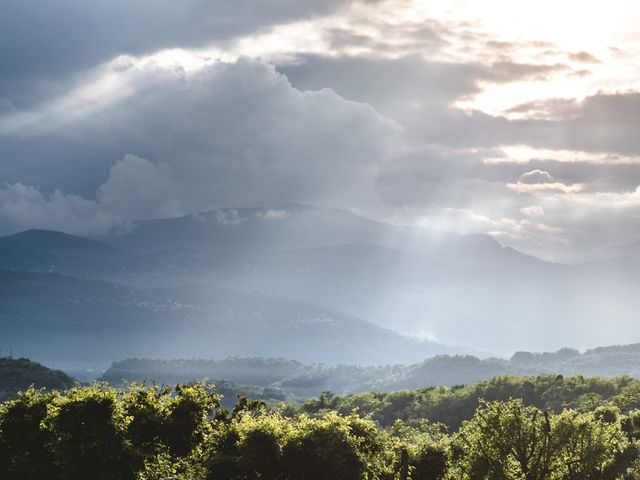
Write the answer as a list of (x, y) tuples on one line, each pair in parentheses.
[(512, 441), (25, 452), (88, 428)]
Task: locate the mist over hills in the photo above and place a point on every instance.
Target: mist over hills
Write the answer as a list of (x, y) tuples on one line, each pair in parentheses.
[(45, 250), (295, 227), (265, 281), (630, 250), (308, 380), (52, 317)]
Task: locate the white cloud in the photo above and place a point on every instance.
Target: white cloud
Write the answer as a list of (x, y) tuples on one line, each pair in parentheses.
[(228, 217), (532, 211), (272, 214), (536, 176), (23, 207), (136, 188)]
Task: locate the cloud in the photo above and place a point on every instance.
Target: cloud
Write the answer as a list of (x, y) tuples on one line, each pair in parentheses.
[(536, 176), (228, 217), (273, 214), (43, 44), (228, 134), (532, 211), (560, 216), (23, 207), (390, 84), (557, 124), (555, 187), (370, 106), (136, 188), (583, 57), (421, 95)]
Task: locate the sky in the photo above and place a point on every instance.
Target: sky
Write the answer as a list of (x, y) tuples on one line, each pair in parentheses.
[(514, 119)]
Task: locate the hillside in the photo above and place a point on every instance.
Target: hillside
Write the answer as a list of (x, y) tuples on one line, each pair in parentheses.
[(51, 251), (464, 290), (55, 317), (298, 379), (19, 374)]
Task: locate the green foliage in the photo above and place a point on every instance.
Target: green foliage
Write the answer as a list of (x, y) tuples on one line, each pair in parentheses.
[(266, 445), (513, 441), (423, 451), (453, 405), (102, 433), (88, 426), (24, 442), (343, 448), (160, 433)]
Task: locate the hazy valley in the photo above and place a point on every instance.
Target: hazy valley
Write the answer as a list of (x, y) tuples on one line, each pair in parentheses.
[(302, 283)]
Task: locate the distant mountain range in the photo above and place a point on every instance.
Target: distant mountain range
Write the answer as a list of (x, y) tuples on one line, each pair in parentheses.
[(298, 266), (620, 251)]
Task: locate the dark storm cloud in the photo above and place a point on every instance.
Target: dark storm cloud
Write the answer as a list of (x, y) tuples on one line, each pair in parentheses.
[(602, 123), (395, 85), (387, 84), (43, 42), (605, 122), (419, 94)]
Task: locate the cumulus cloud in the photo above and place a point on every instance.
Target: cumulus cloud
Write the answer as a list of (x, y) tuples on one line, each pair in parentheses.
[(136, 188), (229, 134), (536, 176), (23, 207)]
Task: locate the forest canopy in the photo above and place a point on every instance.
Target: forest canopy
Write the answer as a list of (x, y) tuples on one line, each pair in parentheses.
[(152, 432)]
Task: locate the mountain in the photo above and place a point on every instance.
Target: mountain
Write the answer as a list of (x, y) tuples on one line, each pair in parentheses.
[(58, 318), (51, 251), (461, 290), (619, 251), (250, 230)]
